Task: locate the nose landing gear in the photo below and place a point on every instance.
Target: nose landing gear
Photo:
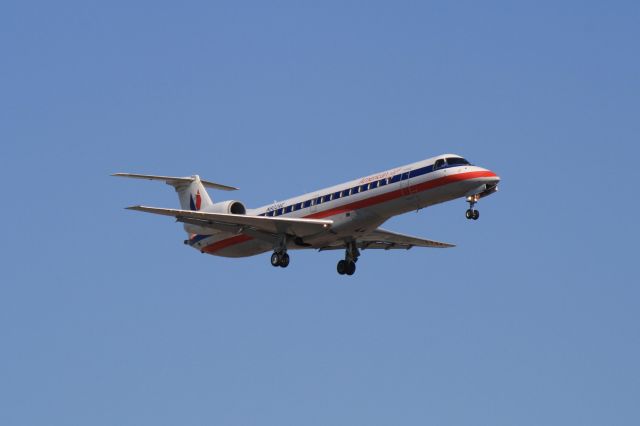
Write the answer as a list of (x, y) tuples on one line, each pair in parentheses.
[(471, 213)]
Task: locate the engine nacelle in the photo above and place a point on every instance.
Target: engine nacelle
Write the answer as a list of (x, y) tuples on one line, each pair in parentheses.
[(227, 207)]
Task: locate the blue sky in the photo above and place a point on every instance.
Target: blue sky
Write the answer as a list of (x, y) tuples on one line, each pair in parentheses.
[(106, 318)]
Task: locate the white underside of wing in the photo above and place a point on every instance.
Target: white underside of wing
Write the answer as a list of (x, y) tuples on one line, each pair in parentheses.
[(222, 222)]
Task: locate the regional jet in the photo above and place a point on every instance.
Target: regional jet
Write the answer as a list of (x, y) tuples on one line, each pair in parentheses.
[(343, 217)]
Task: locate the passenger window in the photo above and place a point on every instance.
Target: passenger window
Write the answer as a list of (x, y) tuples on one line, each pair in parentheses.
[(318, 200), (345, 193), (355, 190), (364, 187), (307, 204), (419, 172), (270, 214), (297, 207), (394, 179), (336, 195), (405, 176), (382, 182), (373, 185), (326, 198), (288, 209), (278, 212)]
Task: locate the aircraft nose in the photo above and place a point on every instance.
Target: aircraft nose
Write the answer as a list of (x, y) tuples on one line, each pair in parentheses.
[(488, 181), (492, 177)]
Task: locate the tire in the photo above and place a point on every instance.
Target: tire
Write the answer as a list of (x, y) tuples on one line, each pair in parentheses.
[(351, 268), (469, 214), (284, 260), (342, 267), (476, 214), (275, 260)]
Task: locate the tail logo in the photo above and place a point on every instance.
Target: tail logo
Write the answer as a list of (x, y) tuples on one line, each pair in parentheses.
[(195, 205)]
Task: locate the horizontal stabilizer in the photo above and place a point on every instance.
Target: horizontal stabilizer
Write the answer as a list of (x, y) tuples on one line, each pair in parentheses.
[(177, 181)]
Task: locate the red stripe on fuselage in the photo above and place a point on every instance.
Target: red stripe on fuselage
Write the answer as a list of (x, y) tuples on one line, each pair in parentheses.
[(410, 190), (402, 192), (212, 248)]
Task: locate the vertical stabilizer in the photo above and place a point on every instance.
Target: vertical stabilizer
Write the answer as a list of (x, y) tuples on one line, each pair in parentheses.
[(193, 195)]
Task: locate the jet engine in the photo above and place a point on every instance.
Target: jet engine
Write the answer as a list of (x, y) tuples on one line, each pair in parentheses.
[(227, 207)]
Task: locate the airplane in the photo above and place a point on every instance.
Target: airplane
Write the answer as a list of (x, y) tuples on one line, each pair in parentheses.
[(343, 217)]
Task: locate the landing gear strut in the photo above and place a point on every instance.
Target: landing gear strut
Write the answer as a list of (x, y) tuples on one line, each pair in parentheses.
[(471, 213), (348, 265)]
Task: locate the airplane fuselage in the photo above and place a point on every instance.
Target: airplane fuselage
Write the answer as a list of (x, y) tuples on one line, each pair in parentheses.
[(361, 205)]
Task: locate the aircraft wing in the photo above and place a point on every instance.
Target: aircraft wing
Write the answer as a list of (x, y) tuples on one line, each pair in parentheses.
[(242, 223), (382, 239)]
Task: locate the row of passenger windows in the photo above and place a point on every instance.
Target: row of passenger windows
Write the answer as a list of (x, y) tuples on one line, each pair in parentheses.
[(330, 197), (439, 164)]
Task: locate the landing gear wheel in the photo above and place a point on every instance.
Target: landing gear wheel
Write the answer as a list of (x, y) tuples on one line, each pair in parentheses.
[(469, 214), (275, 260), (284, 260), (342, 267), (351, 268), (476, 214)]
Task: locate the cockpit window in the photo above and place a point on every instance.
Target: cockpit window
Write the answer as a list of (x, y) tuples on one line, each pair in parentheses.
[(439, 164), (457, 161)]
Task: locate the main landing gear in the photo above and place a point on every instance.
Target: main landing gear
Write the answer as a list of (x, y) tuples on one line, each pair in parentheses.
[(348, 265), (471, 213), (280, 259)]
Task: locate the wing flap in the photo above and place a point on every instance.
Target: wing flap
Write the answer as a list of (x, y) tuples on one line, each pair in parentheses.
[(225, 222)]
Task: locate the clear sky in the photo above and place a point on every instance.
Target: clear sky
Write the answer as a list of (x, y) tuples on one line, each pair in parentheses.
[(106, 318)]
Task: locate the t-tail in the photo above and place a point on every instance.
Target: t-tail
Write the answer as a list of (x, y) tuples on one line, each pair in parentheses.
[(191, 190)]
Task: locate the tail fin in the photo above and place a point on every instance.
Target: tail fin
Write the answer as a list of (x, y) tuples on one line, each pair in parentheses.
[(191, 190), (192, 195)]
